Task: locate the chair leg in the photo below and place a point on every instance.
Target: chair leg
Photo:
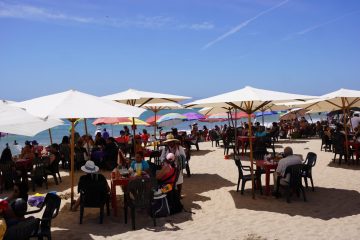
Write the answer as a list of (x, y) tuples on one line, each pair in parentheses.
[(81, 213), (303, 192), (312, 183), (59, 177), (101, 214), (237, 189), (46, 182), (154, 220), (108, 207), (133, 218), (125, 213), (306, 181), (242, 186), (55, 179)]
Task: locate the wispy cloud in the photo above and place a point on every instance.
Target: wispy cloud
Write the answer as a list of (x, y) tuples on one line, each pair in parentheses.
[(244, 24), (199, 26), (317, 26), (29, 12)]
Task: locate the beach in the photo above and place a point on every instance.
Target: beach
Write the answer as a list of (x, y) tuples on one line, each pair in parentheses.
[(332, 211)]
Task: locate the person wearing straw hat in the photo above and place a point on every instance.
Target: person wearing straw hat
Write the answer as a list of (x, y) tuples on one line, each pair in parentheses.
[(173, 146), (92, 177)]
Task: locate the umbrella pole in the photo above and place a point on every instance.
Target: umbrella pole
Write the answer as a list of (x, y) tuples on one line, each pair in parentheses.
[(251, 152), (134, 132), (72, 152), (263, 118), (50, 135), (155, 125), (236, 141), (86, 133), (345, 128)]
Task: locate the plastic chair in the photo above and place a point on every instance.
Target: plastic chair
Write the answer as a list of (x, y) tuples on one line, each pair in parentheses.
[(295, 184), (246, 177), (38, 173), (309, 163), (23, 230), (139, 194), (52, 206), (95, 195)]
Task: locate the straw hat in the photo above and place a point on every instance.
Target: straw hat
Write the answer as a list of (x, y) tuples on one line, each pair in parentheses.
[(170, 138), (90, 167)]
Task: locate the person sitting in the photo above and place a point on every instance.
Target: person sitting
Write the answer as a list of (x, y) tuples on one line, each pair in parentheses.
[(260, 132), (64, 149), (145, 137), (16, 212), (288, 160), (140, 165), (110, 154), (20, 190), (27, 151), (138, 144), (6, 155), (123, 142), (91, 179), (105, 134), (167, 174), (99, 141)]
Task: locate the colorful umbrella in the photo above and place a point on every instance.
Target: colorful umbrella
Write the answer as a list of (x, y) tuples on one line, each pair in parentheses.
[(212, 120), (193, 116), (170, 119), (152, 120), (119, 121)]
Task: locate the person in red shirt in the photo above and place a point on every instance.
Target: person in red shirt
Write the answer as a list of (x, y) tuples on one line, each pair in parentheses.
[(145, 137)]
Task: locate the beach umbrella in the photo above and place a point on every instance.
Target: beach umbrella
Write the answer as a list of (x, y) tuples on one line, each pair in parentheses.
[(119, 121), (249, 100), (212, 120), (171, 119), (16, 120), (192, 116), (73, 105), (152, 120), (141, 98), (294, 113), (262, 114), (342, 99)]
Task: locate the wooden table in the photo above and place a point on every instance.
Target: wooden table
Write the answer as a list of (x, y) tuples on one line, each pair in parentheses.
[(116, 181), (267, 166), (243, 140)]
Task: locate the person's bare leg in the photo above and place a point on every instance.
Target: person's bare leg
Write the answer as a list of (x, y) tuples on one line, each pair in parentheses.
[(76, 205)]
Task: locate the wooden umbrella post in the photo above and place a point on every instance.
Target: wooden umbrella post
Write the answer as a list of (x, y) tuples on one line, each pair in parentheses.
[(50, 135), (72, 153), (155, 126), (248, 108), (134, 132), (345, 128), (87, 137)]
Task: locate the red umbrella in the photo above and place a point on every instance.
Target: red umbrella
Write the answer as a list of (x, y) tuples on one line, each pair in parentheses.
[(240, 115), (207, 119), (152, 120)]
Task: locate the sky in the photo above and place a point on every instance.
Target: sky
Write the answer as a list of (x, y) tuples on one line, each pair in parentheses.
[(193, 48)]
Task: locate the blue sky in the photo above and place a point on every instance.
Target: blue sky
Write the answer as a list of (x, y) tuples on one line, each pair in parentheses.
[(189, 47)]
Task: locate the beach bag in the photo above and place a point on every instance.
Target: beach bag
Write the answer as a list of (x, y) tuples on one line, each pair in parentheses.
[(175, 204), (160, 206), (37, 200)]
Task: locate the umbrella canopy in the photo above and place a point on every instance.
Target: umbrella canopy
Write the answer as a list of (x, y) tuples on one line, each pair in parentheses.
[(294, 113), (239, 115), (18, 121), (214, 110), (152, 120), (266, 113), (119, 121), (136, 97), (191, 116), (155, 107), (212, 120), (170, 119), (73, 105), (249, 100)]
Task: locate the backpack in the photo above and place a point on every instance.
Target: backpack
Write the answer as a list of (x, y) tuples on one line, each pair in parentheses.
[(173, 198), (160, 206)]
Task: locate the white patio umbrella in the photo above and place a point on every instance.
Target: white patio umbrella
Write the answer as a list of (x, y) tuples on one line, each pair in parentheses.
[(294, 113), (73, 105), (141, 98), (249, 100), (16, 120), (343, 99)]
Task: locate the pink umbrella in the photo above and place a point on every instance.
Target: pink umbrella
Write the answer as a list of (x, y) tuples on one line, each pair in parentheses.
[(109, 120), (152, 120)]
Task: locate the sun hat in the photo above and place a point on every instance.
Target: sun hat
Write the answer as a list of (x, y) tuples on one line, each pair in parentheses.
[(90, 167), (170, 138), (170, 157)]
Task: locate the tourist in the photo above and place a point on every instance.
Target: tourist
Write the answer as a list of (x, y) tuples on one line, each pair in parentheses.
[(167, 174), (139, 165), (6, 155), (105, 134)]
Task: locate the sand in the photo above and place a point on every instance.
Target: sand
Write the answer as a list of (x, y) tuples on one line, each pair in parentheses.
[(331, 212)]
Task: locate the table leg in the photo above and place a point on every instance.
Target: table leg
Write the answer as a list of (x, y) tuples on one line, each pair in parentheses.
[(267, 181), (242, 148), (113, 199)]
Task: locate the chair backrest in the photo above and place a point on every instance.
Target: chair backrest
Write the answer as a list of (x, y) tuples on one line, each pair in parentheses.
[(39, 167), (311, 159), (338, 142), (52, 206), (22, 230), (140, 192), (239, 165), (93, 194), (295, 172)]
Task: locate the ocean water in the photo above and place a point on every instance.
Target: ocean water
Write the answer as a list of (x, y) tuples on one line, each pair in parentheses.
[(64, 130)]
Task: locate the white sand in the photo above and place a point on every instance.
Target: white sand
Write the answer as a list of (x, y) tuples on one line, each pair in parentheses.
[(331, 212)]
